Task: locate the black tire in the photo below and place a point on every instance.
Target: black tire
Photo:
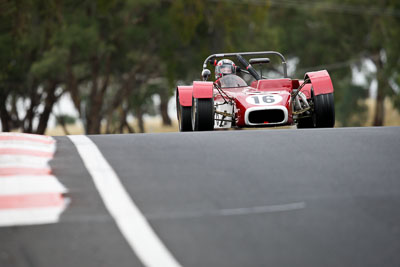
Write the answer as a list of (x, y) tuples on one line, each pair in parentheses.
[(324, 111), (323, 115), (203, 114), (184, 117)]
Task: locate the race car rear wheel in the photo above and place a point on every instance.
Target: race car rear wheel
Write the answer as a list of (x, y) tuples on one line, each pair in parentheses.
[(184, 117), (203, 114)]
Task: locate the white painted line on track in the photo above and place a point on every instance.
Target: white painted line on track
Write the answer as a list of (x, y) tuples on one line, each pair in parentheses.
[(131, 222), (229, 212)]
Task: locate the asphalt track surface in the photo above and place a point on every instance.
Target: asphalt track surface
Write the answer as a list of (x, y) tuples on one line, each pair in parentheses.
[(321, 197)]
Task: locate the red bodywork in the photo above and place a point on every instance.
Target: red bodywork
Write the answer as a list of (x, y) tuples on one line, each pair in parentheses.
[(185, 95), (263, 95), (320, 82), (202, 89), (278, 89)]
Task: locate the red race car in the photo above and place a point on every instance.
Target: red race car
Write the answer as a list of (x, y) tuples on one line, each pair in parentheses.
[(229, 102)]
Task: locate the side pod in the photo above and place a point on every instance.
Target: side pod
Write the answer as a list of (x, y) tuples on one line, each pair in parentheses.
[(321, 82)]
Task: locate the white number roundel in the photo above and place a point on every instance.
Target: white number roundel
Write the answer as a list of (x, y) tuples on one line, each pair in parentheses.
[(264, 99)]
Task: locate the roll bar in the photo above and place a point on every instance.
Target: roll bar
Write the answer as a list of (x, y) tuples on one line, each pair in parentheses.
[(249, 54)]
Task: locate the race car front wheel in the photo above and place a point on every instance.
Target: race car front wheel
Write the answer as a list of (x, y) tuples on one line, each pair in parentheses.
[(203, 114), (184, 117), (323, 115), (324, 111)]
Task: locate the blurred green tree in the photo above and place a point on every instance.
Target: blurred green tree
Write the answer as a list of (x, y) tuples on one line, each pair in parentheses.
[(28, 76), (112, 56), (340, 36)]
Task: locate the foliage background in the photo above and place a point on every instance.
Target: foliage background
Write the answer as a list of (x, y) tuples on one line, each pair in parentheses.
[(111, 57)]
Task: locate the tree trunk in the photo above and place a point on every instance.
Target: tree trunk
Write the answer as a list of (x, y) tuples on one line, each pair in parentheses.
[(61, 121), (109, 122), (51, 98), (164, 109), (130, 129), (123, 122), (139, 115), (5, 117), (379, 107), (382, 81), (95, 115), (15, 121), (30, 114), (72, 86)]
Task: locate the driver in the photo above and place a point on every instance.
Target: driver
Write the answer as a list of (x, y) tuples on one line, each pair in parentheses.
[(224, 67), (225, 74)]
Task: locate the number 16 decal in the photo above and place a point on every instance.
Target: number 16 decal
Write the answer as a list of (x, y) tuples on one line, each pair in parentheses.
[(264, 99)]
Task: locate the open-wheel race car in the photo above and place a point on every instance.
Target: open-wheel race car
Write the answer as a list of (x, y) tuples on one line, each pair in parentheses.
[(229, 102)]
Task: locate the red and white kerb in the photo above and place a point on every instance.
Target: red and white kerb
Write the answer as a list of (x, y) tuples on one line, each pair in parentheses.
[(29, 193)]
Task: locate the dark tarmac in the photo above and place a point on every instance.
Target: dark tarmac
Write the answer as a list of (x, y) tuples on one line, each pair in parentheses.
[(319, 197)]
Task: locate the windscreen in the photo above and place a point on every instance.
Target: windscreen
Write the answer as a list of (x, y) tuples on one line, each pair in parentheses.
[(231, 81)]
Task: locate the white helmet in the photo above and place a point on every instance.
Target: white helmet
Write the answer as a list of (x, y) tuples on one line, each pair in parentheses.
[(224, 67)]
